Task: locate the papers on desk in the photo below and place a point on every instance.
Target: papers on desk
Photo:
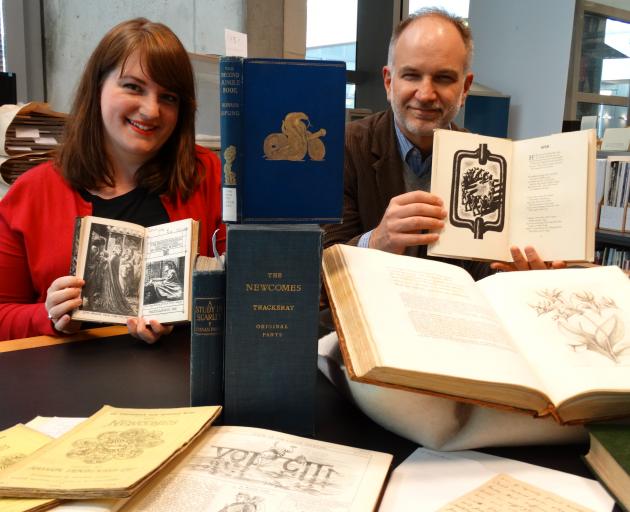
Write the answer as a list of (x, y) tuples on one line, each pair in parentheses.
[(53, 426), (28, 136), (428, 480)]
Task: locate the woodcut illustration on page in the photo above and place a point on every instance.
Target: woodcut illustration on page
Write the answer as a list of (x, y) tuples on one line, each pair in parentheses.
[(235, 469), (112, 270), (478, 191)]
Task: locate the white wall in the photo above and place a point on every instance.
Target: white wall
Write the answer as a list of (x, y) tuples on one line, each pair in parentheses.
[(74, 27), (523, 49)]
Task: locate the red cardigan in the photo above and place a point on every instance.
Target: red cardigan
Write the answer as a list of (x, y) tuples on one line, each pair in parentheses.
[(36, 229)]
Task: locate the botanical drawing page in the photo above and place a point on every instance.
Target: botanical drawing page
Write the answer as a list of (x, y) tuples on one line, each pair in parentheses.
[(427, 316), (549, 204), (472, 174), (238, 468), (572, 325)]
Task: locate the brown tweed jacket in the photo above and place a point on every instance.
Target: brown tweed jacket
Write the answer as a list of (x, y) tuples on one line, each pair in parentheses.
[(373, 175)]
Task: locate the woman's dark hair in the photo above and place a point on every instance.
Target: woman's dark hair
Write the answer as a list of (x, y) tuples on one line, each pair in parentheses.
[(163, 58)]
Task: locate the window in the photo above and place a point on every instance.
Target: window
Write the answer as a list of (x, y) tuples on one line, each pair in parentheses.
[(601, 74), (331, 34), (457, 7)]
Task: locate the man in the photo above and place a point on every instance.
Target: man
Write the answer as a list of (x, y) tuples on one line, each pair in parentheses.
[(387, 175)]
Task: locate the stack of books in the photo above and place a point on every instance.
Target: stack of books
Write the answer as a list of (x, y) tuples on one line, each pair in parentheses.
[(28, 136), (282, 138)]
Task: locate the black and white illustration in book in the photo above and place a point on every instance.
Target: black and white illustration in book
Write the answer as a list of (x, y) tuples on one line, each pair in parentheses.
[(164, 280), (113, 271), (478, 191)]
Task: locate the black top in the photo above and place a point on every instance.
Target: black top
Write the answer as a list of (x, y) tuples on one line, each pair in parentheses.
[(138, 206)]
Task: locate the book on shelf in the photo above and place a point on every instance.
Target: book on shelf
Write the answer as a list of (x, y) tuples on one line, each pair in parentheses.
[(609, 459), (545, 342), (282, 138), (611, 255), (499, 193), (110, 455), (614, 213), (130, 270), (271, 326), (207, 332), (28, 136)]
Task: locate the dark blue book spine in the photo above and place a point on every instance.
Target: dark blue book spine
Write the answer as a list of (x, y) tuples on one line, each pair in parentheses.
[(207, 338), (231, 119), (272, 316)]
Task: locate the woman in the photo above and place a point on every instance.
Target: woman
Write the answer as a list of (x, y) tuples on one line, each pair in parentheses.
[(128, 154)]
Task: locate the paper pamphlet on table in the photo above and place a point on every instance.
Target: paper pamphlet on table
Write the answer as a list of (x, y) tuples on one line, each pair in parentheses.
[(428, 480), (440, 423), (16, 443), (241, 468), (107, 456), (55, 427)]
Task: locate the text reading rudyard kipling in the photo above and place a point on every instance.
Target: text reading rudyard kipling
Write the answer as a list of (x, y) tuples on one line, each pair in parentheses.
[(230, 82), (273, 329)]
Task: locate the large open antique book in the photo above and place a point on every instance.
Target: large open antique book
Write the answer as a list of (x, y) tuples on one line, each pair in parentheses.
[(500, 193), (547, 341), (243, 468), (130, 270)]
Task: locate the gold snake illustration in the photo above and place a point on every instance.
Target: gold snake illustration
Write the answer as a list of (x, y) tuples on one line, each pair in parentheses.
[(295, 140)]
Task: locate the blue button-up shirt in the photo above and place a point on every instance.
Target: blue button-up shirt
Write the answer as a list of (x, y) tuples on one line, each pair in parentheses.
[(411, 155)]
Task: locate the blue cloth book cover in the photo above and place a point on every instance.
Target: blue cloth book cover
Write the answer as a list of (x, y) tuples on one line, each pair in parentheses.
[(282, 138), (271, 326)]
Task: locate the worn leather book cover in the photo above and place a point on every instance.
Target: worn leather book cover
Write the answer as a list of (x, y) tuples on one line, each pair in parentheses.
[(206, 336), (282, 136), (271, 331)]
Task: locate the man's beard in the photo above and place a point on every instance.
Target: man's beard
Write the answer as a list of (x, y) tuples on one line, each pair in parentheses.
[(421, 127)]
